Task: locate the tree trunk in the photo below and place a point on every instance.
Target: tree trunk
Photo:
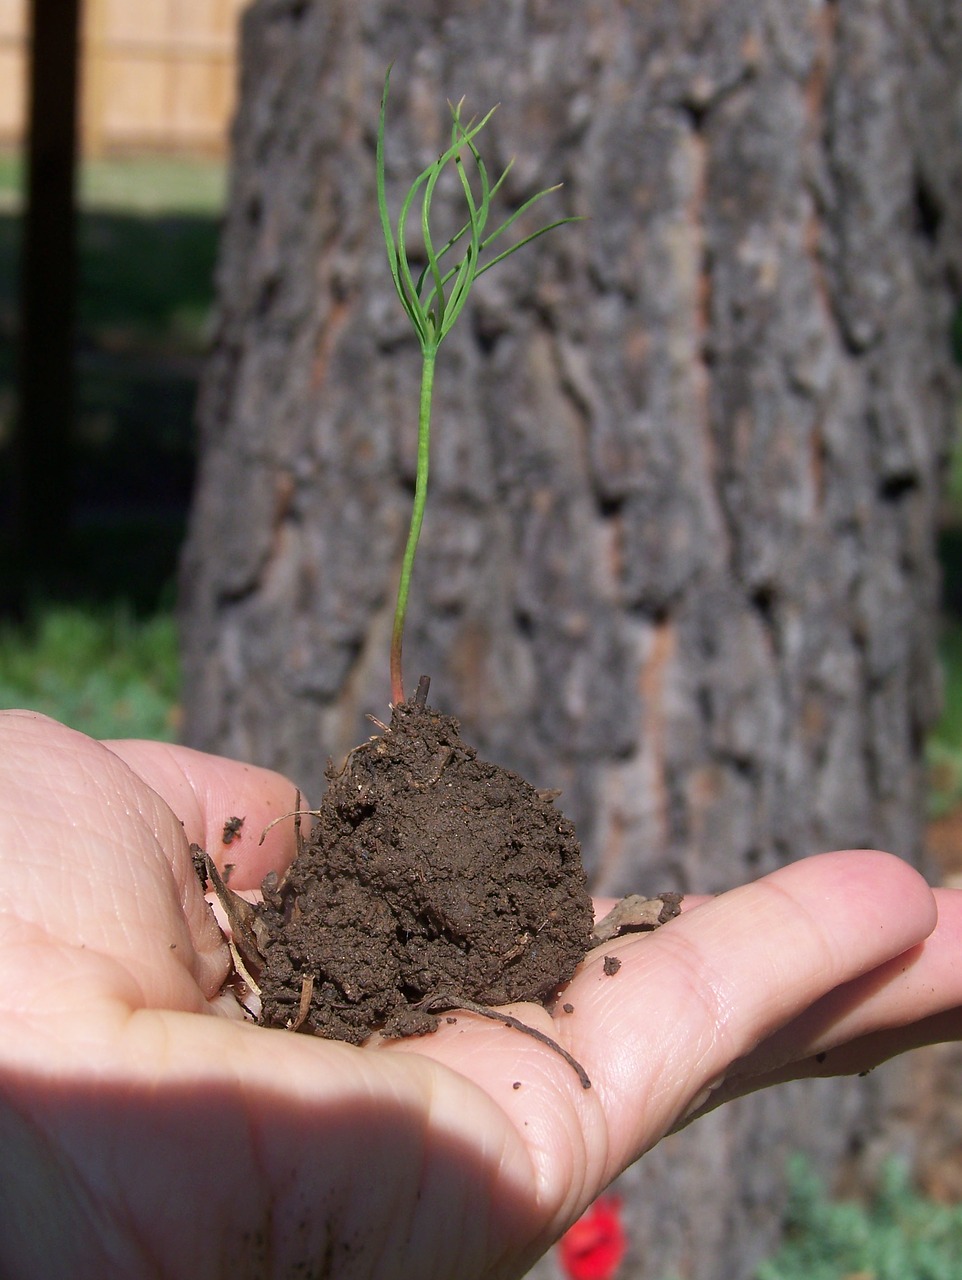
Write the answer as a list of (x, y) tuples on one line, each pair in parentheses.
[(678, 556)]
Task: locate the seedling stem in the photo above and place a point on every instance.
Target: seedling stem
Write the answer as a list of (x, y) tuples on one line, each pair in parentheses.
[(436, 298)]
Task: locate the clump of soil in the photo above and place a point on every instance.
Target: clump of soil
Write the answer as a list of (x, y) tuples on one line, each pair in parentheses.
[(430, 877)]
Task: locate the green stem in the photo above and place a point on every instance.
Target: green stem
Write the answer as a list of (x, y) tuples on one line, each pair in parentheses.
[(417, 515)]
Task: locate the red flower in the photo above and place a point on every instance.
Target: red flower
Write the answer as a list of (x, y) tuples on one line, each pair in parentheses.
[(593, 1248)]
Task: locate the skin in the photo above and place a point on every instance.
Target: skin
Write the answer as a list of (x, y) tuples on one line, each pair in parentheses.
[(145, 1129)]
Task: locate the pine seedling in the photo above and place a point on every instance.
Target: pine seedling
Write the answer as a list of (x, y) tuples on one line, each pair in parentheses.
[(436, 297)]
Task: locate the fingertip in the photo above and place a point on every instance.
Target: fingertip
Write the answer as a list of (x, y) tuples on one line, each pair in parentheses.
[(870, 878), (234, 810), (704, 990)]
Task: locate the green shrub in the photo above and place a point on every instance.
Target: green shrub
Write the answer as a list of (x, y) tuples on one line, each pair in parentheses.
[(944, 747), (98, 669), (897, 1235)]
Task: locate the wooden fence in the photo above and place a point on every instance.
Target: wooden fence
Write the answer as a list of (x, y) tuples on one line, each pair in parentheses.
[(156, 75)]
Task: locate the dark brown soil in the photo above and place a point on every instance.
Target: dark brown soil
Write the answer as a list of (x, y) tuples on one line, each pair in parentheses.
[(430, 876)]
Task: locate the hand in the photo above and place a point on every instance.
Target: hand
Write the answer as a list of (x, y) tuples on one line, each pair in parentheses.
[(145, 1129)]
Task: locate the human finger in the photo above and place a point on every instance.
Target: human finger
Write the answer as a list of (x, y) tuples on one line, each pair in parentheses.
[(94, 863), (663, 1024), (210, 793), (912, 1000), (700, 993)]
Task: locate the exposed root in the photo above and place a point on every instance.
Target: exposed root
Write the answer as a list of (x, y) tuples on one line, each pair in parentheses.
[(440, 1003), (304, 1004), (296, 813)]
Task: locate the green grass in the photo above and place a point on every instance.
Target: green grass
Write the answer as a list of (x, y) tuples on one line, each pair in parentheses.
[(155, 184), (897, 1235), (98, 669), (944, 747), (147, 233), (137, 184), (145, 281), (11, 181), (99, 652)]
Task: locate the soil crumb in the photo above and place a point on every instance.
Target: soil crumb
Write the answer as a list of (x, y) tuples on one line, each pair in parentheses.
[(429, 875)]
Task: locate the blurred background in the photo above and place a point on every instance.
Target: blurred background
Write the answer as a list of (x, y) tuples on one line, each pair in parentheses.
[(107, 262), (153, 106), (91, 523)]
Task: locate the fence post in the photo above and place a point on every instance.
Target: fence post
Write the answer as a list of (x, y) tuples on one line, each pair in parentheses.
[(44, 441)]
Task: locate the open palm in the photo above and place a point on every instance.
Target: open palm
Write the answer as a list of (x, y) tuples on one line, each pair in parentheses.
[(147, 1129)]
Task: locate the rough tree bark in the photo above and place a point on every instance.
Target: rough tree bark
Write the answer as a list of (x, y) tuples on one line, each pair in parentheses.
[(678, 557)]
